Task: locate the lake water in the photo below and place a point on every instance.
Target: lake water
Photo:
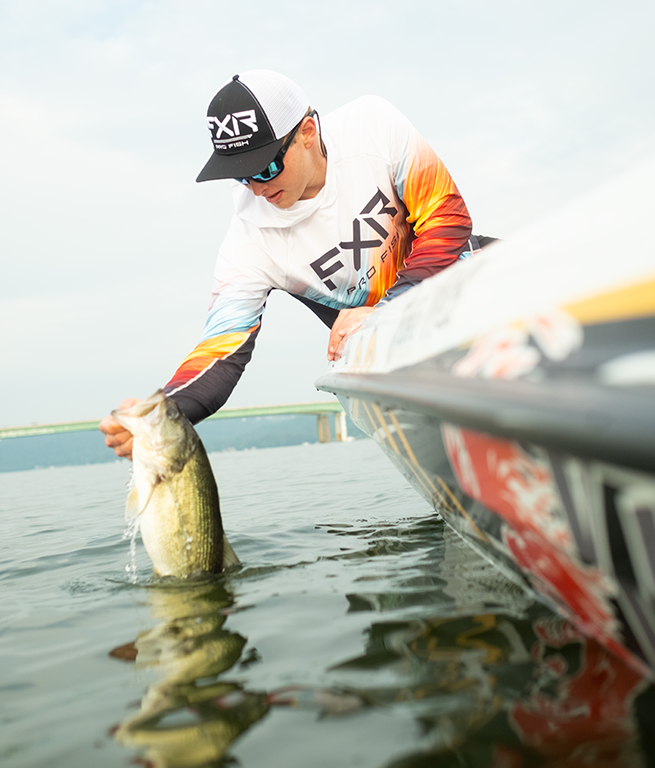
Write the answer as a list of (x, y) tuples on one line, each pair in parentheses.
[(359, 632)]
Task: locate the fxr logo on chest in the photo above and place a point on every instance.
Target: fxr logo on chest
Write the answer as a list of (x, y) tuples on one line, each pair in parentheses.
[(357, 244)]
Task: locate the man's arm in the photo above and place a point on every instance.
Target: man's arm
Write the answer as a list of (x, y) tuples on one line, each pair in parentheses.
[(437, 213), (206, 377), (439, 220), (206, 393)]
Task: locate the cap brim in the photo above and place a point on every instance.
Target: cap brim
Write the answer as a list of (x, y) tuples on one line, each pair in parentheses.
[(242, 165)]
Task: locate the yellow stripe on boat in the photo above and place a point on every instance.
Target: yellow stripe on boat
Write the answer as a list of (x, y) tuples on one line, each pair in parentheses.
[(623, 304)]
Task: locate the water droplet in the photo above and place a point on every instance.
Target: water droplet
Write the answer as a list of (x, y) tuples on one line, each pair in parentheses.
[(130, 533)]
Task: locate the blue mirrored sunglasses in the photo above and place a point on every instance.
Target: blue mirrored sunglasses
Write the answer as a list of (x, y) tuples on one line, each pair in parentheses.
[(276, 166)]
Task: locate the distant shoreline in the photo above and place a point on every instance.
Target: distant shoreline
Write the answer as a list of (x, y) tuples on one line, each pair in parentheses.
[(80, 448)]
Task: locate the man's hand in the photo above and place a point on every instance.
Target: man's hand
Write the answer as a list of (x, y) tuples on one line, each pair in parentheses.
[(116, 436), (347, 322)]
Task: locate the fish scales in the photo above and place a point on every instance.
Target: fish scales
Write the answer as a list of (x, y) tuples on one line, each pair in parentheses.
[(175, 496), (181, 526)]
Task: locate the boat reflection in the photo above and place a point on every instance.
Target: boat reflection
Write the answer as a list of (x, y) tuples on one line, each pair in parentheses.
[(492, 676), (491, 690)]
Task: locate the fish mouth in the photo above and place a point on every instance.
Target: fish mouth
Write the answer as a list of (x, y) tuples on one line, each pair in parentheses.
[(138, 410)]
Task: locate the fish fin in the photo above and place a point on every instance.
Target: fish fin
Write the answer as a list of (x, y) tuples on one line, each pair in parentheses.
[(127, 652), (132, 505), (230, 558)]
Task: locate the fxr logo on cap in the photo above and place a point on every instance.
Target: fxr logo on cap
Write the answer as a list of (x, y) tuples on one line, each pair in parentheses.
[(248, 119), (231, 126)]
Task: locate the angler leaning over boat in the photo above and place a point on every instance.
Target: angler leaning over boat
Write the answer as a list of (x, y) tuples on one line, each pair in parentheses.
[(345, 219)]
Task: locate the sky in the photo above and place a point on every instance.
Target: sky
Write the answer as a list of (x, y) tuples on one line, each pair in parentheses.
[(108, 244)]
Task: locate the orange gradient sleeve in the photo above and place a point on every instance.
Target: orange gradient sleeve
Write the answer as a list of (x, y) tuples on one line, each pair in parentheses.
[(205, 355), (437, 214)]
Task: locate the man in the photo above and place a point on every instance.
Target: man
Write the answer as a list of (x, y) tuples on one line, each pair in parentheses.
[(343, 219)]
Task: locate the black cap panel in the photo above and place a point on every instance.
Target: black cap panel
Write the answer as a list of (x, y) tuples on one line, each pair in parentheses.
[(244, 142)]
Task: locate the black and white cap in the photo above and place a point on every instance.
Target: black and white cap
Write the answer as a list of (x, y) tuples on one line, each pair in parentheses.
[(248, 120)]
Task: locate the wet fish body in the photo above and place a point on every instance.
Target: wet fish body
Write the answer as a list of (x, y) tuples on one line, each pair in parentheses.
[(175, 497)]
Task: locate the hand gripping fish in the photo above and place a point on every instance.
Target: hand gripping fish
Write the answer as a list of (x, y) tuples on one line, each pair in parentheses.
[(174, 496)]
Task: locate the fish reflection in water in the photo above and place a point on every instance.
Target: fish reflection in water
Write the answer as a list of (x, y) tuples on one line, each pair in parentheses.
[(492, 677), (184, 720)]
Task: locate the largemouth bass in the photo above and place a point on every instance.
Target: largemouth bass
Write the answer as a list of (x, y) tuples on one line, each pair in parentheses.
[(174, 497)]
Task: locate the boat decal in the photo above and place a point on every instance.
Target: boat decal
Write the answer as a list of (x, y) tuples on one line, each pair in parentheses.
[(383, 424), (520, 487), (641, 619), (639, 534), (576, 503), (556, 333), (421, 475), (637, 300), (516, 350), (628, 370), (456, 502), (405, 441), (369, 360), (357, 358)]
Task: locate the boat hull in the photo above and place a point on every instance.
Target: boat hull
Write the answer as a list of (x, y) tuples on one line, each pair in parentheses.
[(516, 392), (576, 529)]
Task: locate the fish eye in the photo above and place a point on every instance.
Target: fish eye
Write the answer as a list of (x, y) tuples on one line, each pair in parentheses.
[(172, 411)]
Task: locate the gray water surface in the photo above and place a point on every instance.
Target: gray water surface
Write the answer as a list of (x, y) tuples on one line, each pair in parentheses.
[(359, 632)]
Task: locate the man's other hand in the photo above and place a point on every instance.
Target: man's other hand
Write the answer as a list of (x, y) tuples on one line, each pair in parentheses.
[(347, 322)]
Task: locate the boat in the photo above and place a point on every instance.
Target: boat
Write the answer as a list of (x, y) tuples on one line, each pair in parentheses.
[(515, 391)]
